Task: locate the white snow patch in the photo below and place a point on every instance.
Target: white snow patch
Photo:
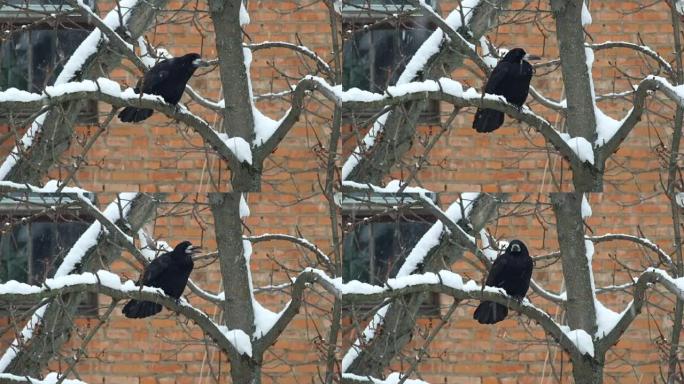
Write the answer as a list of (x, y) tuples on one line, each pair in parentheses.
[(239, 146), (606, 319), (586, 208), (391, 187), (244, 208), (586, 16), (392, 378), (580, 146), (581, 339), (239, 339), (50, 378), (244, 15), (679, 5), (680, 196)]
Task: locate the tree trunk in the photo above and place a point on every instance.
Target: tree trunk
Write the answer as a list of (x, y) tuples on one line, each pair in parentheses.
[(238, 311)]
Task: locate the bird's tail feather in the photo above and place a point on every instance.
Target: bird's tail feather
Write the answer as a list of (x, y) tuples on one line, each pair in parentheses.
[(135, 309), (134, 115), (489, 312), (487, 120)]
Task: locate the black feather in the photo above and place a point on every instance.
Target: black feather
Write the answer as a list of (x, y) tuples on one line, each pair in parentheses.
[(511, 271), (170, 272), (510, 79), (166, 79)]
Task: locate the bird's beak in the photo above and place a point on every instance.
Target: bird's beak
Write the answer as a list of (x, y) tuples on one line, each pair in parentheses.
[(529, 57), (515, 248), (200, 63), (194, 249)]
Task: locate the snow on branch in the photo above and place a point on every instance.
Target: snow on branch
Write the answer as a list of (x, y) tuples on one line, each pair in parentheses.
[(445, 282), (50, 378), (320, 255), (639, 48), (322, 64), (109, 284), (662, 255), (392, 378), (110, 92)]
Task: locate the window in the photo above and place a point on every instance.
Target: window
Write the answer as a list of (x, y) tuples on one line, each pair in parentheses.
[(376, 53), (35, 238), (34, 50), (377, 239)]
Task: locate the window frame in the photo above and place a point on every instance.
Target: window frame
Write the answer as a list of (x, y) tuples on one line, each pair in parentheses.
[(31, 208)]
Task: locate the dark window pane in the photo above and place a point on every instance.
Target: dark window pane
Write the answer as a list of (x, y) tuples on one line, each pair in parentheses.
[(375, 251), (31, 60), (30, 252), (374, 59)]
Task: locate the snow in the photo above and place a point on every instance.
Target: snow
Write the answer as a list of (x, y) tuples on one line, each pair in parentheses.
[(679, 5), (392, 378), (244, 208), (101, 277), (264, 319), (244, 15), (368, 334), (50, 187), (606, 319), (586, 16), (606, 126), (391, 187), (50, 378), (487, 55), (580, 146), (586, 208), (239, 339), (239, 146), (431, 238), (581, 339), (680, 197), (490, 253)]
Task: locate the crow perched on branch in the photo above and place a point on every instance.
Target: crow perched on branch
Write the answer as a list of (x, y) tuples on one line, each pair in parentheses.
[(166, 79), (511, 271), (510, 79), (169, 272)]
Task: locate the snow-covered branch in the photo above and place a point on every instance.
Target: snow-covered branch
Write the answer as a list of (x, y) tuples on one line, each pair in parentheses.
[(109, 284), (50, 378), (320, 255), (322, 64), (110, 92), (662, 255)]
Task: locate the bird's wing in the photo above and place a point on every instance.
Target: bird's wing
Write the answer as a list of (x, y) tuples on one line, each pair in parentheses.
[(497, 77), (155, 77), (156, 269), (497, 274)]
